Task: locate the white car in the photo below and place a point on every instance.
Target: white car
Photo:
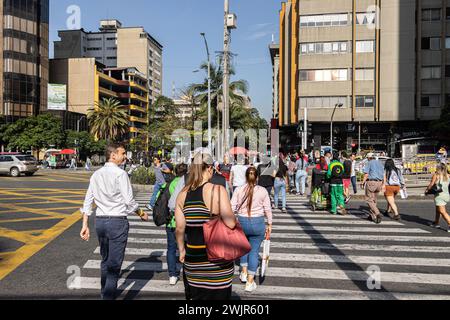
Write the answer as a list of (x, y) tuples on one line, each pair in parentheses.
[(362, 163)]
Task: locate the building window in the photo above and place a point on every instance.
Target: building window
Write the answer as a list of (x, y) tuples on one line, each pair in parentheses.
[(94, 39), (365, 101), (112, 48), (322, 102), (447, 13), (431, 100), (94, 49), (111, 58), (365, 75), (324, 75), (431, 43), (447, 43), (366, 46), (324, 20), (324, 47), (366, 18), (431, 14), (431, 72), (447, 71), (111, 39)]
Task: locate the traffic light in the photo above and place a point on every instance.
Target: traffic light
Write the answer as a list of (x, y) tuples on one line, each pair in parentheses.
[(300, 129), (310, 129)]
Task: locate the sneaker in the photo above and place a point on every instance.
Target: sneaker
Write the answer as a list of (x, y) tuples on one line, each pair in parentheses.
[(173, 281), (283, 210), (250, 287), (243, 277), (435, 226), (149, 208), (378, 219), (343, 211), (347, 200)]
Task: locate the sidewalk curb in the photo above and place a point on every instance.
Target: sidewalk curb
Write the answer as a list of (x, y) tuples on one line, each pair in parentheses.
[(138, 188)]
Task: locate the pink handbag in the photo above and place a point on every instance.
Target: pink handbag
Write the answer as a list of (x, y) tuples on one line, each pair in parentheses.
[(222, 243)]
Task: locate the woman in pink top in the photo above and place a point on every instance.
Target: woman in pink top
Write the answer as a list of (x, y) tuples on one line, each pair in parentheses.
[(252, 203)]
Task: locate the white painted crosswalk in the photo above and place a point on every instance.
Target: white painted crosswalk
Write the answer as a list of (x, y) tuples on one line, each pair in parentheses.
[(313, 256)]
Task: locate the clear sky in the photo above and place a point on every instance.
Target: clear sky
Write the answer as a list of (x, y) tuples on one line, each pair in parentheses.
[(177, 25)]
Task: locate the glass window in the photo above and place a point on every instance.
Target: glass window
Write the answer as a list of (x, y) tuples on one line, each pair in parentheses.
[(431, 72), (327, 47), (435, 43), (319, 47), (343, 46), (447, 13), (365, 46), (304, 49), (447, 43), (432, 100), (447, 71), (335, 47), (431, 14), (311, 48)]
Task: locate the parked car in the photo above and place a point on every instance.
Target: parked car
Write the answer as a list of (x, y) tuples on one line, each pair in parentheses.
[(15, 165)]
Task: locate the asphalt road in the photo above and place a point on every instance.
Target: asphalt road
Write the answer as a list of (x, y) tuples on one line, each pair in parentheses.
[(313, 256)]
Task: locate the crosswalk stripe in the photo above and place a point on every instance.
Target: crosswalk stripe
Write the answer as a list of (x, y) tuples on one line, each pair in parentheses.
[(263, 292), (309, 222), (295, 216), (303, 273), (317, 258), (350, 229)]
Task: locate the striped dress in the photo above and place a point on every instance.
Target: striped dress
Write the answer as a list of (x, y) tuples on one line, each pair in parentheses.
[(203, 280)]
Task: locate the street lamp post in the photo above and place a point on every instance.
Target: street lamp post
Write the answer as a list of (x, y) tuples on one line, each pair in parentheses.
[(209, 92), (338, 105)]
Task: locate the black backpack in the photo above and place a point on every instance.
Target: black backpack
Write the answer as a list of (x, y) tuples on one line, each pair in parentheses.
[(161, 212)]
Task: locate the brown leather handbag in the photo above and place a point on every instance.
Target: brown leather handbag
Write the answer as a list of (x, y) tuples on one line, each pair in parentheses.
[(222, 243)]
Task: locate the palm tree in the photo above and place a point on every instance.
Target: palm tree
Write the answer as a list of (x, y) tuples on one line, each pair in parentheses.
[(189, 95), (108, 120), (237, 90)]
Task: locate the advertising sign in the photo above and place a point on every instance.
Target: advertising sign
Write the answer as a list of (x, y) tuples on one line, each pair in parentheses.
[(57, 97)]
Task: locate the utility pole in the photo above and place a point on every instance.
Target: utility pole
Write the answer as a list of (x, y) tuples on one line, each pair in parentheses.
[(209, 93), (226, 81)]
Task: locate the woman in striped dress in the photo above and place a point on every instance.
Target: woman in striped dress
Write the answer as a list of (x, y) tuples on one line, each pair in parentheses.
[(196, 203)]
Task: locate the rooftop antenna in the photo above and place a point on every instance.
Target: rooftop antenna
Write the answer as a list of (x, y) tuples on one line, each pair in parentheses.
[(273, 38), (173, 89)]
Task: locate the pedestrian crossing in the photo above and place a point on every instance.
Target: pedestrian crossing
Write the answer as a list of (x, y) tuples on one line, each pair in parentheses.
[(314, 256)]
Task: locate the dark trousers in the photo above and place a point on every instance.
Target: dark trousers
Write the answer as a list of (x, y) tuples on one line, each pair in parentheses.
[(354, 184), (172, 253), (269, 190), (112, 237)]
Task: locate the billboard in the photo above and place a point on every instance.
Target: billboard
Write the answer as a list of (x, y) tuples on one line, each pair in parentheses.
[(57, 97)]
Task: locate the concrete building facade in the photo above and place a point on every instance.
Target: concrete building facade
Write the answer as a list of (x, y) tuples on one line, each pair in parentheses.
[(116, 46), (384, 61), (24, 34), (89, 82)]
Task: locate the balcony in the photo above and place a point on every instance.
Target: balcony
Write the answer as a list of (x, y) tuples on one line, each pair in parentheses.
[(137, 130), (136, 119), (135, 85), (108, 93), (137, 108)]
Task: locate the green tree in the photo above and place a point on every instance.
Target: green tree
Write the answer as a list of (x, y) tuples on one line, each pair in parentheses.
[(108, 120), (85, 143), (441, 127), (33, 133), (164, 120)]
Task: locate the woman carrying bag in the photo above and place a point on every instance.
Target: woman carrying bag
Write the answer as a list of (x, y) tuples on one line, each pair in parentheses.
[(439, 188), (394, 182), (252, 204), (196, 204)]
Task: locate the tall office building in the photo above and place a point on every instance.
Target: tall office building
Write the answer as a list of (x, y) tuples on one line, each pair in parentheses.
[(24, 32), (116, 46), (386, 63)]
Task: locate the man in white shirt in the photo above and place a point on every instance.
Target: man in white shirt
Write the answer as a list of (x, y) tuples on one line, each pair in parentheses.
[(237, 175), (110, 189)]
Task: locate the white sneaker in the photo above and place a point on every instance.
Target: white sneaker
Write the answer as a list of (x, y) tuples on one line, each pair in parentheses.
[(149, 208), (173, 281), (250, 287), (243, 277), (435, 226)]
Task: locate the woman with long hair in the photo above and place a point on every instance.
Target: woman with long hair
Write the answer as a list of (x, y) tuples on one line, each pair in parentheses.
[(441, 179), (196, 204), (393, 181), (252, 202)]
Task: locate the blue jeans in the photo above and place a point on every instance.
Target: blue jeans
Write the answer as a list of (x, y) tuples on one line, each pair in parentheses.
[(354, 184), (300, 181), (280, 185), (172, 253), (112, 237), (255, 230), (156, 189)]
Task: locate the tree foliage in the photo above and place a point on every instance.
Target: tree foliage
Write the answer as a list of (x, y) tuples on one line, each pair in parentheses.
[(108, 120), (85, 142)]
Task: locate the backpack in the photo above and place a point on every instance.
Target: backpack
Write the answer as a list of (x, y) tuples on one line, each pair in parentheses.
[(337, 172), (161, 212), (347, 169), (394, 179)]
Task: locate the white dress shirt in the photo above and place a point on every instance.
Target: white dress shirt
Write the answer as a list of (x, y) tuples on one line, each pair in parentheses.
[(110, 189)]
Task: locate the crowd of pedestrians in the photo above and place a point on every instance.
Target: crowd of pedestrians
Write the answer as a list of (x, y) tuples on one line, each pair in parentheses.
[(241, 193)]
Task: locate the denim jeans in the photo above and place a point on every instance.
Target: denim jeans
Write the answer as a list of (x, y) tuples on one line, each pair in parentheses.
[(172, 253), (255, 230), (300, 181), (280, 185), (354, 184), (155, 193), (291, 180), (112, 237)]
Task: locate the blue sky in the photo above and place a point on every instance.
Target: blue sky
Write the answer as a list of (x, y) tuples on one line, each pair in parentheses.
[(177, 25)]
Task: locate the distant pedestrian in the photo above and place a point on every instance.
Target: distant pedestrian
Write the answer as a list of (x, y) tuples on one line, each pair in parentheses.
[(335, 175), (291, 172), (195, 204), (175, 188), (266, 175), (159, 169), (394, 182), (328, 157), (280, 185), (302, 174), (373, 184), (218, 179), (251, 203), (347, 176), (440, 181), (237, 175), (110, 190), (353, 174), (88, 164), (73, 164)]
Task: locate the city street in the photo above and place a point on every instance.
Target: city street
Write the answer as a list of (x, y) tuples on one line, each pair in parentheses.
[(313, 255)]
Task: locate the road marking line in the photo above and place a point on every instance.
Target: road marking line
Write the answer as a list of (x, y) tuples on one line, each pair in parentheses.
[(21, 255), (263, 292), (16, 235), (349, 229), (42, 198), (31, 219), (325, 274)]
